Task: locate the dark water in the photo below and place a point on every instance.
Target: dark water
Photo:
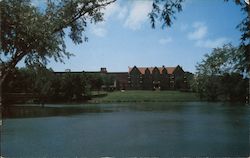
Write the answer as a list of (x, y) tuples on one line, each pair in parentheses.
[(127, 130)]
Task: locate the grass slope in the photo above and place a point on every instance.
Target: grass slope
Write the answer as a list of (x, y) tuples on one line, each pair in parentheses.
[(147, 96)]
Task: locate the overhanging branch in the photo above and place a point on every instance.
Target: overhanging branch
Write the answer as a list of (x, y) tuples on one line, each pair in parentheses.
[(81, 13)]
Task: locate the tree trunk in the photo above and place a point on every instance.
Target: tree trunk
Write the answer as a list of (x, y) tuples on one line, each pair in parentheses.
[(2, 78), (247, 49), (1, 107), (248, 96)]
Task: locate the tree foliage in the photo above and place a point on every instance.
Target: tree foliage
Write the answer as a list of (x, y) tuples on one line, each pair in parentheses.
[(219, 77), (96, 81), (48, 86), (37, 34), (222, 60), (164, 11)]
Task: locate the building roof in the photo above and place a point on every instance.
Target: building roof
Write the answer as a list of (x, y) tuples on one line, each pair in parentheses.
[(142, 70)]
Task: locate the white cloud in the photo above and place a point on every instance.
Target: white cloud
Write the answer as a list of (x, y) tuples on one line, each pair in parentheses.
[(212, 43), (115, 10), (164, 41), (138, 14), (133, 16), (99, 31), (112, 10), (199, 33)]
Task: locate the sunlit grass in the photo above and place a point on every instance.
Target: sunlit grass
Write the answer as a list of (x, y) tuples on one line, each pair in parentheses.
[(147, 96)]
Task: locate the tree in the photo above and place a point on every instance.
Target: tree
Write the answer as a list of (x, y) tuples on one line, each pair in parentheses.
[(232, 87), (95, 81), (20, 81), (108, 82), (73, 86), (43, 78), (35, 80), (218, 75), (37, 34)]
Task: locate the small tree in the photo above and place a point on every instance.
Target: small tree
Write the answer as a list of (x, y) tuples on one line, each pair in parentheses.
[(108, 81)]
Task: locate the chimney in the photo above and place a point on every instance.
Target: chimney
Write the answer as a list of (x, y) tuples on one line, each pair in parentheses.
[(103, 70)]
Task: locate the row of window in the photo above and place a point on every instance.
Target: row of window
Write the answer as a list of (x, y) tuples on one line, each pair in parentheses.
[(150, 76), (154, 82)]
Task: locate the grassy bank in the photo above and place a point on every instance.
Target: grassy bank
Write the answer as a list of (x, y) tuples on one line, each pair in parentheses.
[(146, 96)]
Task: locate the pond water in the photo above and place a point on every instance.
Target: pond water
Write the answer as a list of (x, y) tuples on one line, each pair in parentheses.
[(126, 130)]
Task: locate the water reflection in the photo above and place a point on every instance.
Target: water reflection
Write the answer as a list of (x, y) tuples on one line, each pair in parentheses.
[(127, 130), (35, 110), (46, 111)]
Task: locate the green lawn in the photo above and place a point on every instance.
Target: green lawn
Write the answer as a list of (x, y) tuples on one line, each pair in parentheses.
[(147, 96)]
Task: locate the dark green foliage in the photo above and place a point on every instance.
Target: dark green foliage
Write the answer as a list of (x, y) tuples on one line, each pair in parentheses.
[(47, 86), (108, 82), (219, 76), (96, 81), (232, 87), (42, 83), (72, 86), (19, 80)]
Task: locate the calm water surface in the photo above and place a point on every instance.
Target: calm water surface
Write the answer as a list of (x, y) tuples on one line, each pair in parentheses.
[(127, 130)]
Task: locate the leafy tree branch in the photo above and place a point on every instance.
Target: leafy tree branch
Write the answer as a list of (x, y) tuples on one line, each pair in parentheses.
[(37, 34)]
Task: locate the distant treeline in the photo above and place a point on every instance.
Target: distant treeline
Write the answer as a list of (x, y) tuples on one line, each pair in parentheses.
[(47, 86)]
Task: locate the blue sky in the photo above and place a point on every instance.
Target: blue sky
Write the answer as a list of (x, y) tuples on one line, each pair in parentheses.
[(126, 38)]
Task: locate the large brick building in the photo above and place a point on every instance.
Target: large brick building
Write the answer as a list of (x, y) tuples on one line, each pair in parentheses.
[(152, 78), (146, 78)]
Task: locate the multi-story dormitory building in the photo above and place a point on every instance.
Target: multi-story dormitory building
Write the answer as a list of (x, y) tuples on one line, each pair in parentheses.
[(146, 78), (153, 78)]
